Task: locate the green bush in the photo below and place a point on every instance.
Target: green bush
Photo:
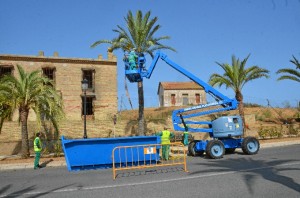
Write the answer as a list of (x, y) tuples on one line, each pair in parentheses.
[(57, 149), (267, 113), (251, 105), (297, 115), (270, 132), (263, 133), (293, 130), (273, 133), (259, 118)]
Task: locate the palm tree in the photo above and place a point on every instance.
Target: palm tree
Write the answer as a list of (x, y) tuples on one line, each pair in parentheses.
[(290, 74), (236, 76), (29, 91), (140, 35)]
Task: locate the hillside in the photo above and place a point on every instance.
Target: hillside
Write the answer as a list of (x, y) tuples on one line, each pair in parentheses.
[(262, 122)]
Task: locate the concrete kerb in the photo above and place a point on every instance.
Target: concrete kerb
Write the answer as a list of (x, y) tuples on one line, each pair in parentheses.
[(55, 163), (51, 162), (275, 144), (30, 165)]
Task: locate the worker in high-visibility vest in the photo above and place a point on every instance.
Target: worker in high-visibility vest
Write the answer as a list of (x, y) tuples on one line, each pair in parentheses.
[(165, 141), (37, 149)]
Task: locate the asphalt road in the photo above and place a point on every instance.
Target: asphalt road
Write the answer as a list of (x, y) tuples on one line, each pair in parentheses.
[(273, 172)]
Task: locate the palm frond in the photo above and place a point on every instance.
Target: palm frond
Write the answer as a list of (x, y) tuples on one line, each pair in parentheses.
[(290, 74)]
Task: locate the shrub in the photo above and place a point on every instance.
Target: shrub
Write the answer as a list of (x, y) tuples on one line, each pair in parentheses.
[(267, 113), (57, 149), (251, 105), (292, 130), (273, 132), (270, 132), (263, 133)]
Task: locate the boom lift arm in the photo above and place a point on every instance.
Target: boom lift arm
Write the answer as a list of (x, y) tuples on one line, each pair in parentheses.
[(223, 103), (225, 130)]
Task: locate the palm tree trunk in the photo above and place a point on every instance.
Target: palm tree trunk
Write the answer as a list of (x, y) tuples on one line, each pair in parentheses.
[(239, 98), (25, 143), (141, 119)]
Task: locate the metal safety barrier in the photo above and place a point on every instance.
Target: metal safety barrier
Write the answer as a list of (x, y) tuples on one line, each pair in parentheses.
[(147, 156)]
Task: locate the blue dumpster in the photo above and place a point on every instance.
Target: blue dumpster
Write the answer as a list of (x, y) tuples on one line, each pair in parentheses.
[(96, 153)]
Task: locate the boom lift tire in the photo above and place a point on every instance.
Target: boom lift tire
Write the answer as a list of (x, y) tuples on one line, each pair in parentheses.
[(215, 149), (191, 149), (250, 145)]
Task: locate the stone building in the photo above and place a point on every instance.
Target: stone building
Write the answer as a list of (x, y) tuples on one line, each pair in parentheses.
[(67, 73), (180, 94)]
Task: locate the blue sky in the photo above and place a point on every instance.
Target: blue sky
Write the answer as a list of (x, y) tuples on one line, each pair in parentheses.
[(202, 31)]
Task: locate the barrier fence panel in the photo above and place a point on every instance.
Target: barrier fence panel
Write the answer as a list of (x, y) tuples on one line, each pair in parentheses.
[(146, 156)]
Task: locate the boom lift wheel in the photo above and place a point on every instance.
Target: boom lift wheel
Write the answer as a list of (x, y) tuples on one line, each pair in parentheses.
[(191, 149), (215, 149), (250, 145)]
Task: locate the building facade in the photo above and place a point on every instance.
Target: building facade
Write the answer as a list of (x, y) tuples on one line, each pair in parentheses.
[(180, 94), (67, 74)]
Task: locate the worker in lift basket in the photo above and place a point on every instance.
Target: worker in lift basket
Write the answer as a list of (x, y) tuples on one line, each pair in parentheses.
[(166, 135), (132, 59)]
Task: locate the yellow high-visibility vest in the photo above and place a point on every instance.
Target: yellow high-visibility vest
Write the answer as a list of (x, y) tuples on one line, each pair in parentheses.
[(37, 140), (165, 138)]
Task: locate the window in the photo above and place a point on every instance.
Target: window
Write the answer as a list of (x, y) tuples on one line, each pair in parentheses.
[(198, 98), (89, 74), (173, 99), (49, 73), (4, 70), (89, 106), (185, 99)]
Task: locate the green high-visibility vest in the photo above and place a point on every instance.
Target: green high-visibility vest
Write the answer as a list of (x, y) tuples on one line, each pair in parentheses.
[(165, 138), (37, 141)]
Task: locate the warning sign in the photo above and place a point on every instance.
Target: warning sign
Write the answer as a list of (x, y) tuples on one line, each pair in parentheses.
[(149, 150)]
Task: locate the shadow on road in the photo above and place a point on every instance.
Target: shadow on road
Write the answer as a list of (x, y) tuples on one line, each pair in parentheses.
[(270, 171), (44, 164), (28, 191), (149, 172)]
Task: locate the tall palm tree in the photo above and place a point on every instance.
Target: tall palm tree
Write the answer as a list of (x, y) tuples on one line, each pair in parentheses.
[(30, 91), (236, 76), (140, 35), (290, 74)]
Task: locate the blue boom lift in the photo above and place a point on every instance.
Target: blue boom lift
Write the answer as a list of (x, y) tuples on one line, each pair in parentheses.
[(225, 132)]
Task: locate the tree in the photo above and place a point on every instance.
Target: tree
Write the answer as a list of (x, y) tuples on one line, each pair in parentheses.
[(140, 35), (29, 91), (236, 76), (290, 74)]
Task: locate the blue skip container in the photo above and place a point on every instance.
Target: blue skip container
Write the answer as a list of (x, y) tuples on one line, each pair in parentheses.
[(96, 153)]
